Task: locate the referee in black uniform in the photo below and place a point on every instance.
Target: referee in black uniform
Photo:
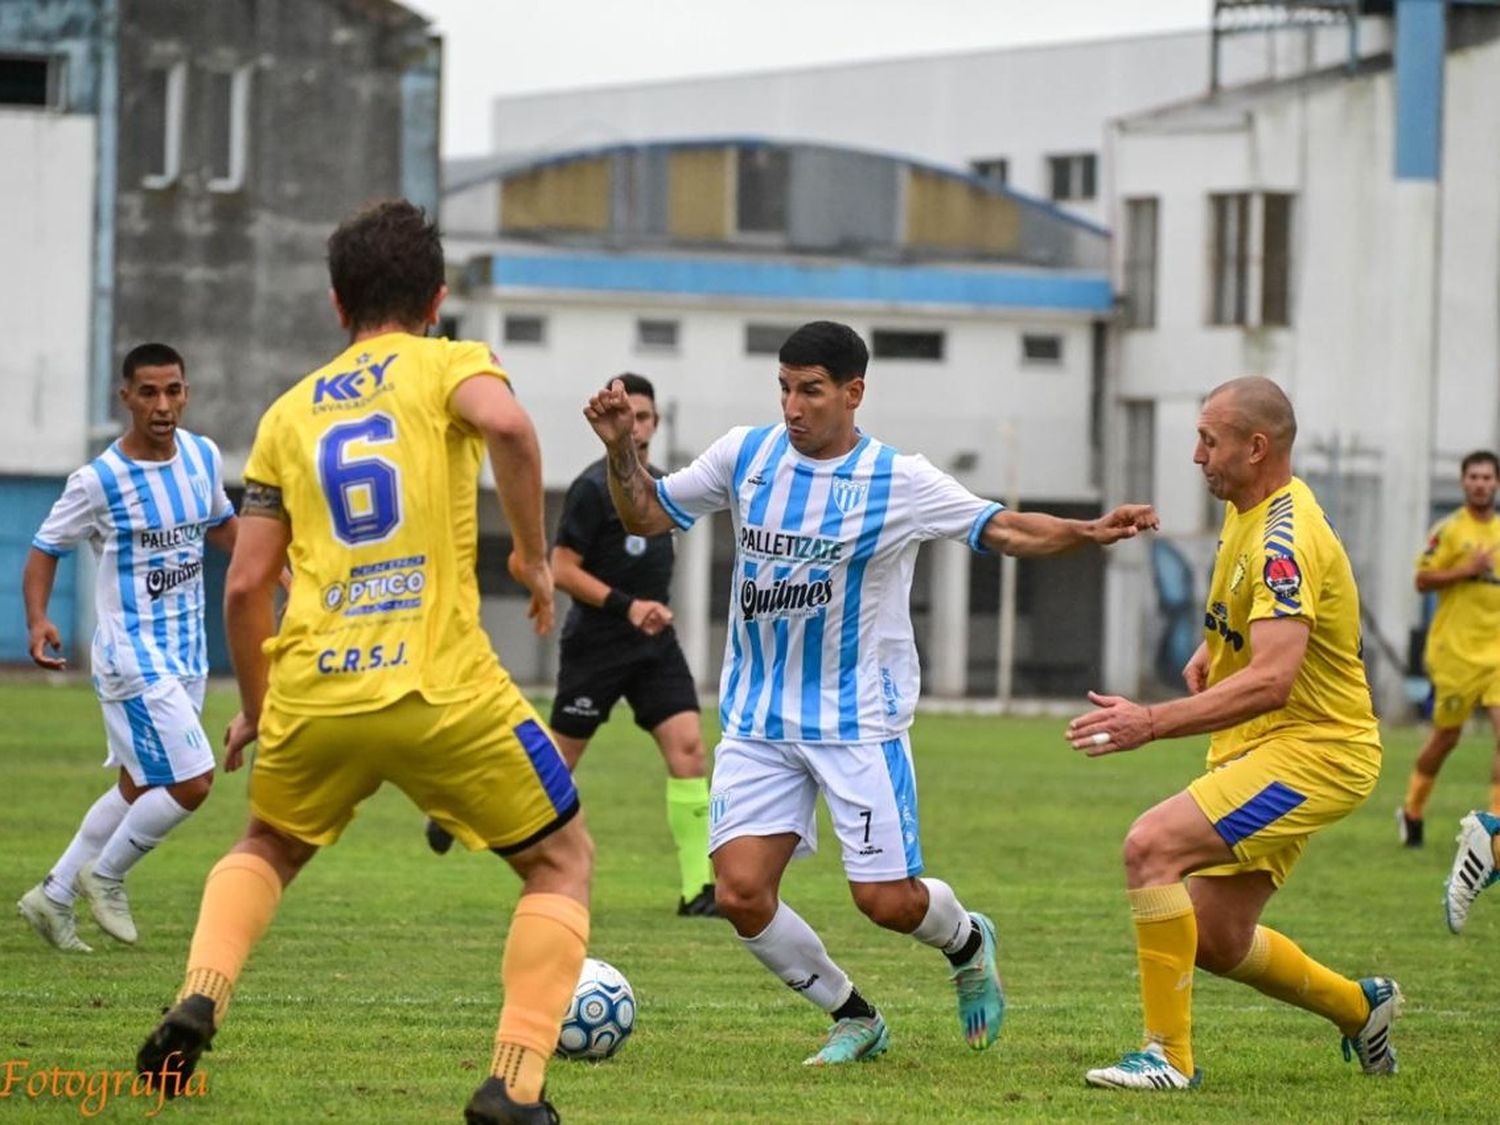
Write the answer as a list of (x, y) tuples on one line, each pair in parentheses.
[(618, 641)]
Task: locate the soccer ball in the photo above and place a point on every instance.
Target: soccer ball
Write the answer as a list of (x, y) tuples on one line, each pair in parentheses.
[(601, 1016)]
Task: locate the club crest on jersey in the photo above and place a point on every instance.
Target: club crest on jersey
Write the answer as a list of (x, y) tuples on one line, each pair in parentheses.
[(849, 495), (635, 546), (1283, 578), (200, 489)]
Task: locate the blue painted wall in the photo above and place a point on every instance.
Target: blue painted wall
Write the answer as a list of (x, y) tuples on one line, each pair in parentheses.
[(24, 503)]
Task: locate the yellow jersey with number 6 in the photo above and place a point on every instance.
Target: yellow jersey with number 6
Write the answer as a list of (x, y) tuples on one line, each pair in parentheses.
[(379, 478), (1281, 558)]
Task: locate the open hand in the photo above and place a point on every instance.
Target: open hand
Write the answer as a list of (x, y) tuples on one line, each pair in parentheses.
[(44, 637), (537, 578), (1117, 725)]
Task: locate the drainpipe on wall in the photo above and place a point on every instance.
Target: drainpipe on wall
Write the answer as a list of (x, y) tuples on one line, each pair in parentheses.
[(102, 426)]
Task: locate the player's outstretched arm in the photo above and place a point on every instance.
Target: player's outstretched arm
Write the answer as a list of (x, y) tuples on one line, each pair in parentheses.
[(1278, 646), (1033, 534), (488, 405), (631, 487), (260, 552), (36, 592)]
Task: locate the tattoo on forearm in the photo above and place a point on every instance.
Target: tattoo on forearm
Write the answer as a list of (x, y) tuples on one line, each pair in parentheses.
[(631, 486), (263, 499)]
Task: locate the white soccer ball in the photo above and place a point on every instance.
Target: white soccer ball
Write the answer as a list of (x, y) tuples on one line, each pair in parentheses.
[(601, 1016)]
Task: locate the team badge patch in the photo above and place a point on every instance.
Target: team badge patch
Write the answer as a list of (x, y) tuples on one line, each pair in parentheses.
[(849, 495), (635, 546), (1283, 577)]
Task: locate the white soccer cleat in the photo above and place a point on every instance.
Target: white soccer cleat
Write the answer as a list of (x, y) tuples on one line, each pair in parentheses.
[(1473, 866), (53, 923), (1372, 1045), (108, 904), (1146, 1069)]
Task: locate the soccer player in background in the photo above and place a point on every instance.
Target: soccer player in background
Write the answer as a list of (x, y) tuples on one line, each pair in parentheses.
[(618, 640), (365, 475), (1463, 641), (820, 673), (1280, 684), (145, 506)]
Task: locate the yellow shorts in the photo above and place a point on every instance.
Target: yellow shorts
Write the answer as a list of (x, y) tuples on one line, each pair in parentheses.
[(1268, 801), (1458, 688), (486, 769)]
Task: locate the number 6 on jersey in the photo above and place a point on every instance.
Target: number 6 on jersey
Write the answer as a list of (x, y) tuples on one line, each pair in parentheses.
[(364, 493)]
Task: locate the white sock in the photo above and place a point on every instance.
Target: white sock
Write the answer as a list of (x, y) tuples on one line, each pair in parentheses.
[(946, 925), (98, 824), (791, 949), (154, 814)]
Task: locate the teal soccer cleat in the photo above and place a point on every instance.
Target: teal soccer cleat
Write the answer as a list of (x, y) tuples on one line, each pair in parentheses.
[(1473, 867), (1146, 1069), (856, 1039), (1372, 1046), (981, 999)]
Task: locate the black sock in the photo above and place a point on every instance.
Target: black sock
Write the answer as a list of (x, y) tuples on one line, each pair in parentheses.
[(856, 1007), (966, 953)]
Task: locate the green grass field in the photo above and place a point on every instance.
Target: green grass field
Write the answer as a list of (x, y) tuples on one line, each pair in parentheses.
[(374, 996)]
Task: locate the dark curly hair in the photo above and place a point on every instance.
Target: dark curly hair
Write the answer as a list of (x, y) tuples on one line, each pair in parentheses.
[(386, 264)]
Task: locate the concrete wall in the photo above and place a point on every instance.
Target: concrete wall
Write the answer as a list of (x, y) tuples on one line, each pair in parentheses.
[(46, 210), (1331, 144), (236, 280), (1021, 104)]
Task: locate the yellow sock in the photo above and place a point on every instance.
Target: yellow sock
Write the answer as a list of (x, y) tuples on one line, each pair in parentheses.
[(544, 953), (1495, 798), (1418, 789), (240, 898), (1277, 966), (1166, 938)]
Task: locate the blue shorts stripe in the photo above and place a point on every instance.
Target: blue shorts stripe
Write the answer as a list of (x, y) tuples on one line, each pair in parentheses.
[(1270, 804), (904, 785), (156, 767), (550, 768)]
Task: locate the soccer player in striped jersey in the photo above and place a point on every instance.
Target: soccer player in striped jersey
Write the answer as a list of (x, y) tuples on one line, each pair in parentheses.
[(820, 675), (146, 505)]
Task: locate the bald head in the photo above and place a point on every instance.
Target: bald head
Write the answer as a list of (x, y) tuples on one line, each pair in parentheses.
[(1258, 406)]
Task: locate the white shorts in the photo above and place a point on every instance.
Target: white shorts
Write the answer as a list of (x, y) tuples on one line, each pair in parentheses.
[(767, 788), (157, 736)]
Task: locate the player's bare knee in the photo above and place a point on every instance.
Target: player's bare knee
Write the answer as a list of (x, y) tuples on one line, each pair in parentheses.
[(190, 794), (749, 904), (892, 906), (1146, 856), (1220, 950)]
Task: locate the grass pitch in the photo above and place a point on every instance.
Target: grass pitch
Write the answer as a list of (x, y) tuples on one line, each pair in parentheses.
[(374, 996)]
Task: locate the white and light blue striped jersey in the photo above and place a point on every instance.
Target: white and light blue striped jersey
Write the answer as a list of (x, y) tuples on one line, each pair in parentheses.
[(820, 645), (145, 521)]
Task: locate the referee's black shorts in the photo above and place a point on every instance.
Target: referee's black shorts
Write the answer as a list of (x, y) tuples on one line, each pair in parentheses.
[(651, 673)]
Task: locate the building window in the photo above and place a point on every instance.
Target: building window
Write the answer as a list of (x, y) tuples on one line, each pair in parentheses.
[(228, 96), (995, 171), (1073, 176), (1276, 260), (766, 339), (1037, 348), (1229, 257), (888, 343), (520, 329), (656, 335), (1140, 450), (1140, 262), (761, 191), (31, 80), (161, 124)]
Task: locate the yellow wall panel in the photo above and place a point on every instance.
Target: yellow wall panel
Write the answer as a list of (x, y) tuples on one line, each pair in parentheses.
[(946, 213), (698, 206), (571, 196)]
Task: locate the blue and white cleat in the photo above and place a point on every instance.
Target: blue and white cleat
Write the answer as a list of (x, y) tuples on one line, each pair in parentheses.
[(1146, 1069), (1473, 866), (1373, 1043), (856, 1039), (981, 998)]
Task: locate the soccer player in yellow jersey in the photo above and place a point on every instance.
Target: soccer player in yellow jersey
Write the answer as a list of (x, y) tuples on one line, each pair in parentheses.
[(1280, 684), (1463, 642), (364, 476)]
